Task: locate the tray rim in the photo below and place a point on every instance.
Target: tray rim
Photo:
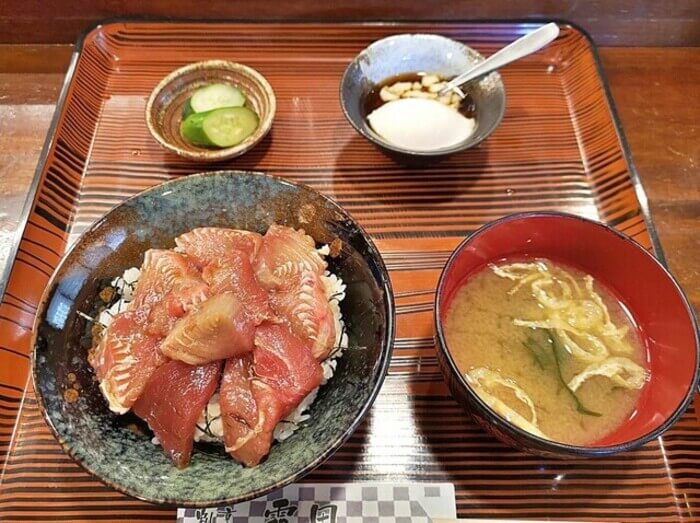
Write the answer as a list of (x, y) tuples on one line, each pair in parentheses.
[(23, 220), (67, 85)]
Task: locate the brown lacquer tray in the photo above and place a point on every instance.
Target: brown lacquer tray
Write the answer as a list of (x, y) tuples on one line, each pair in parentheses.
[(559, 148)]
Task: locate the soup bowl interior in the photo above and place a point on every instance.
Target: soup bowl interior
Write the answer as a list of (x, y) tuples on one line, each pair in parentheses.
[(413, 53), (666, 321), (118, 449)]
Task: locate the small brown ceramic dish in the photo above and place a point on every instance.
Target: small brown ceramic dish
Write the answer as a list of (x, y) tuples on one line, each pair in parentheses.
[(165, 105)]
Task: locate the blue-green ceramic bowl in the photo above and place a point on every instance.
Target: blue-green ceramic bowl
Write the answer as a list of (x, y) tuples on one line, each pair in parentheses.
[(118, 449)]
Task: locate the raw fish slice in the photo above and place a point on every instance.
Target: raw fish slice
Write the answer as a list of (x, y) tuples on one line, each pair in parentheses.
[(234, 273), (172, 401), (161, 271), (250, 411), (285, 363), (304, 305), (187, 291), (284, 254), (125, 359), (163, 316), (207, 244), (284, 374), (168, 286), (219, 329), (239, 411), (174, 305), (270, 412)]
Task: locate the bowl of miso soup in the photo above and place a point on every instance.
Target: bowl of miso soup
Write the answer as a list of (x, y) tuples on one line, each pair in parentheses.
[(563, 337)]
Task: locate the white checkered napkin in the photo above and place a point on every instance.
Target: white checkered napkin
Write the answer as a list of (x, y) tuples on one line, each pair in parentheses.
[(337, 503)]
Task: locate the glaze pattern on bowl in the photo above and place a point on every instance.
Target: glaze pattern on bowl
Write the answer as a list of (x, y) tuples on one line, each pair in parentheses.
[(411, 53), (117, 449), (165, 105)]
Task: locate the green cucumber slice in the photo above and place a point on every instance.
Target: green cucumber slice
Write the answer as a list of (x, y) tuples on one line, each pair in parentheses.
[(187, 109), (216, 96), (221, 127), (229, 126), (191, 129)]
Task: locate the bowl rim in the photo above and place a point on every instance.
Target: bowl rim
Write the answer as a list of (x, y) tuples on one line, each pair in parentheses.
[(214, 154), (564, 449), (381, 366), (377, 140)]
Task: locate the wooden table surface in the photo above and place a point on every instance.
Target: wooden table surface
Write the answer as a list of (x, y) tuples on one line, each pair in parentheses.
[(654, 90)]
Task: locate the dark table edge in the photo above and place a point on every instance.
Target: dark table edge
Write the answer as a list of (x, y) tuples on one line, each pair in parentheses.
[(58, 111)]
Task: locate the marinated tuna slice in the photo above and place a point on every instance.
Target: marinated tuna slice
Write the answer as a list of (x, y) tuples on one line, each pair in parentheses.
[(250, 411), (219, 329), (207, 244), (234, 273), (172, 401), (244, 436), (284, 254), (170, 285), (256, 395), (125, 359), (239, 411), (252, 450), (304, 305), (163, 271), (285, 363)]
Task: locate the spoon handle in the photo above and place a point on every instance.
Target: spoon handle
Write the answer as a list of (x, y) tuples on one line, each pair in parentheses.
[(521, 47)]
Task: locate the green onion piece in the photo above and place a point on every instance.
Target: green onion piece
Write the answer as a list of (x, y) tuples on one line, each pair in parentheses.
[(556, 347), (543, 357)]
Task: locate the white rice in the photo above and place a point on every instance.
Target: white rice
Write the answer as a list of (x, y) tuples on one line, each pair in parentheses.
[(209, 426), (124, 286)]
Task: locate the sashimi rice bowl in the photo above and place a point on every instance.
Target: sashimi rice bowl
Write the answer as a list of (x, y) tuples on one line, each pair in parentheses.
[(213, 338), (226, 339)]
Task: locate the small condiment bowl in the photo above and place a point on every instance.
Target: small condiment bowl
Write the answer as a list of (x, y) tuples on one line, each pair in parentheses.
[(413, 53), (165, 105), (636, 277)]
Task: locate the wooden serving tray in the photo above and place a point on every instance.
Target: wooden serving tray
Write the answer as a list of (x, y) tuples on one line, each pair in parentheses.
[(559, 147)]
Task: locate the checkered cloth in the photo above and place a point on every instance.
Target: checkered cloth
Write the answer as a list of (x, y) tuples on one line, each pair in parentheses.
[(337, 503)]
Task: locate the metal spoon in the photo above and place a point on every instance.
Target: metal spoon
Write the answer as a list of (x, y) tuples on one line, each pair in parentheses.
[(523, 46)]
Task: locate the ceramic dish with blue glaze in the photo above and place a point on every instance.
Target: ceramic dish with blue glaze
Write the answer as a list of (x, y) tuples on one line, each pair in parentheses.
[(118, 449)]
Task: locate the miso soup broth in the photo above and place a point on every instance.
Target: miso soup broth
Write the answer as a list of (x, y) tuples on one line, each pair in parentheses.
[(548, 349)]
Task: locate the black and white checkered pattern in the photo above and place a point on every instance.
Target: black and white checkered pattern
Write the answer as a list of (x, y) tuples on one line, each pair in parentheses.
[(354, 503)]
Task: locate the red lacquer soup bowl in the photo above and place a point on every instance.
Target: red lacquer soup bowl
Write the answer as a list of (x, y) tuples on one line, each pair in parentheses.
[(660, 309)]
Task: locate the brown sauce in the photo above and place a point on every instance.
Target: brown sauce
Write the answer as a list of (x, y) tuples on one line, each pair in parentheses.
[(373, 101)]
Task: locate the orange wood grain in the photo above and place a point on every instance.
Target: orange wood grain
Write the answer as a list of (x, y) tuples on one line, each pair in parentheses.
[(665, 154)]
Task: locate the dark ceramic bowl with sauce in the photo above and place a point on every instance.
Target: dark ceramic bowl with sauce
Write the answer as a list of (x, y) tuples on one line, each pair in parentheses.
[(412, 53), (645, 287), (118, 449)]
